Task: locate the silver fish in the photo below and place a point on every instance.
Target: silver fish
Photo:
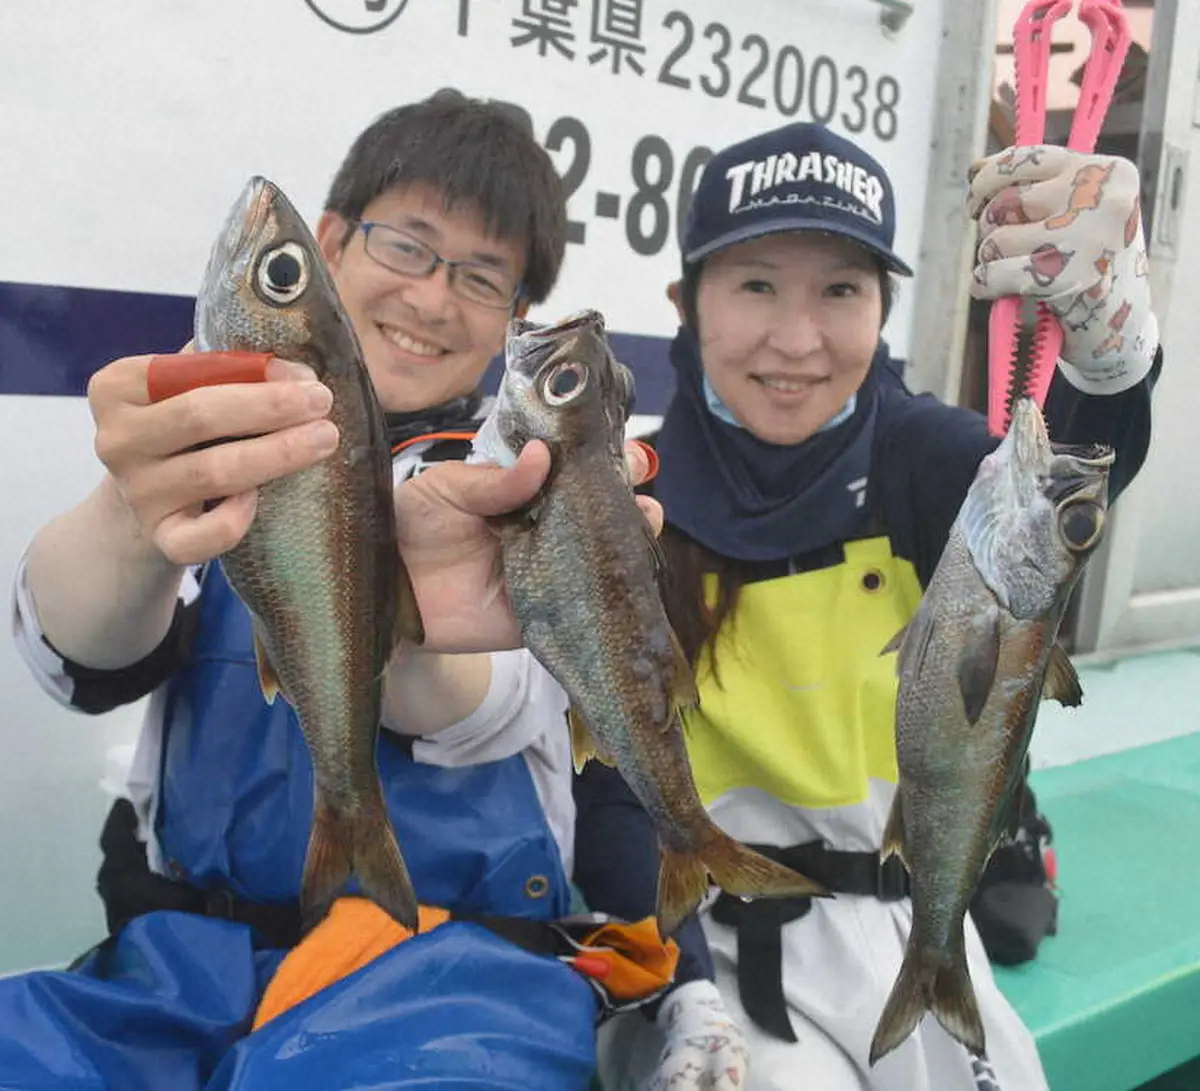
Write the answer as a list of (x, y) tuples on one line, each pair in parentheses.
[(973, 665), (319, 568), (580, 567)]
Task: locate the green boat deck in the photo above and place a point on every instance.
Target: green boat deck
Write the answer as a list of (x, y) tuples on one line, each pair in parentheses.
[(1114, 998)]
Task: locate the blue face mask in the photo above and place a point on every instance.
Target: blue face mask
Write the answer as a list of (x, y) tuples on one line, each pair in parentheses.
[(722, 412)]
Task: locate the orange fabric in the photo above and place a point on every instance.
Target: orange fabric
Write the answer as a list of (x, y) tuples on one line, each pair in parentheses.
[(639, 962), (629, 961), (353, 933), (167, 376)]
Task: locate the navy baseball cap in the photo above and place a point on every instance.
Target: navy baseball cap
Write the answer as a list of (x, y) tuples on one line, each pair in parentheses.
[(802, 177)]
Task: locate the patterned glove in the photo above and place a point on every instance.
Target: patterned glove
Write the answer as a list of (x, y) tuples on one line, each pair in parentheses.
[(705, 1050), (1066, 228)]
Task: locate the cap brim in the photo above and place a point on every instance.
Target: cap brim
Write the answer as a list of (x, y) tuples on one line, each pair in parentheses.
[(778, 227)]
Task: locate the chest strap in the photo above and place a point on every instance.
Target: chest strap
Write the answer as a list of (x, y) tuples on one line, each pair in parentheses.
[(759, 923)]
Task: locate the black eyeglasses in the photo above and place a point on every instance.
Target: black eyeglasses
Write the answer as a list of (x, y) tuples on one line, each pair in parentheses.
[(406, 254)]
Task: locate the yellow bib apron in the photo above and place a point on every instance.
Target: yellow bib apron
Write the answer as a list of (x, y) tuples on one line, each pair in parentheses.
[(802, 704), (804, 711)]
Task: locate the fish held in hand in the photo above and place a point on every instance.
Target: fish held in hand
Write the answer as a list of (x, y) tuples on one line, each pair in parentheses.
[(319, 569), (581, 568), (974, 664)]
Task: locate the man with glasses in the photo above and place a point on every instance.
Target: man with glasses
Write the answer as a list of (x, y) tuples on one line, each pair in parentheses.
[(479, 281), (445, 219)]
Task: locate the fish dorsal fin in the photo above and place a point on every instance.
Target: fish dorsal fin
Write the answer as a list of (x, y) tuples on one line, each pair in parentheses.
[(1062, 683), (978, 662), (583, 742), (683, 680), (893, 832), (409, 627), (657, 558), (895, 643), (912, 642), (268, 680)]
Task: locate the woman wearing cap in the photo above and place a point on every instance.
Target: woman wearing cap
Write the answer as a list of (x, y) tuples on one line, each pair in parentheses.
[(808, 498)]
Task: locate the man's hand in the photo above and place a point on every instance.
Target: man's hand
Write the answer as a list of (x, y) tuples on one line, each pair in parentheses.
[(1066, 228), (150, 450), (453, 555), (704, 1047)]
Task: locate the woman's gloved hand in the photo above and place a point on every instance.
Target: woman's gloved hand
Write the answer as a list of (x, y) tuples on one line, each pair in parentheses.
[(1066, 228), (704, 1047)]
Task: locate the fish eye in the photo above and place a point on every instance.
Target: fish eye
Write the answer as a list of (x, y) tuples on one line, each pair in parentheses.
[(1080, 524), (564, 384), (283, 273)]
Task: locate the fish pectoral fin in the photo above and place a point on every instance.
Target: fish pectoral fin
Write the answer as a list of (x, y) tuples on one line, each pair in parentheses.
[(268, 680), (977, 665), (893, 833), (1061, 682), (583, 743)]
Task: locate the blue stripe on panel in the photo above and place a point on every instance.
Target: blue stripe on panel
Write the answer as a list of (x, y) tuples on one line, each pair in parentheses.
[(52, 339)]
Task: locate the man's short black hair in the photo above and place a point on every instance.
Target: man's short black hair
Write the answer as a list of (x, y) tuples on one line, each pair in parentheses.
[(469, 150)]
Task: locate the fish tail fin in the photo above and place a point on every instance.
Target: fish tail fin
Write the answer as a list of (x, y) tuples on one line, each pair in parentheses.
[(362, 844), (954, 1004), (327, 864), (682, 882), (930, 980), (379, 865), (736, 869), (741, 871)]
